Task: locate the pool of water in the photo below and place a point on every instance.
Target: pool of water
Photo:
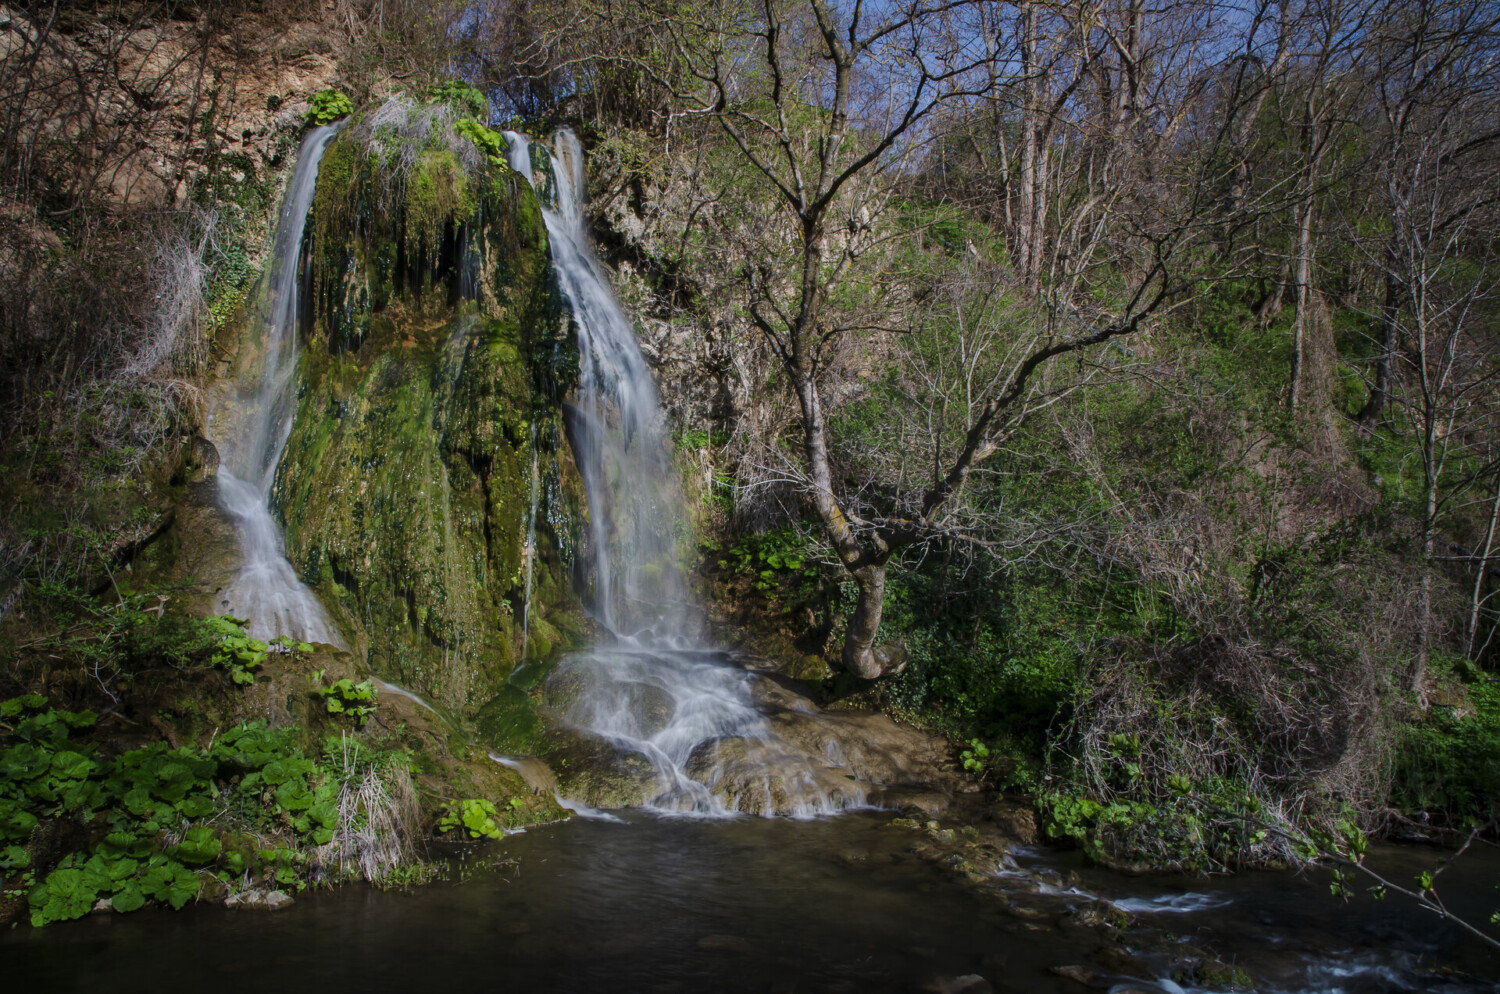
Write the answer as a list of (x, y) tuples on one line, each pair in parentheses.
[(662, 904)]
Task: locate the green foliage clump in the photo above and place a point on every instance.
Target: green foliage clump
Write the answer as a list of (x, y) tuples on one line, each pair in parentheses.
[(236, 651), (490, 142), (477, 817), (160, 819), (328, 106), (114, 637), (344, 696), (462, 94), (1449, 762), (1206, 830), (777, 562), (975, 758)]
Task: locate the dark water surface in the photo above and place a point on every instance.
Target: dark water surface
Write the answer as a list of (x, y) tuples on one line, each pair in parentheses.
[(666, 905)]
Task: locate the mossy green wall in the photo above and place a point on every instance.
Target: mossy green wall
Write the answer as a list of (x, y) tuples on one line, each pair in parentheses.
[(406, 483)]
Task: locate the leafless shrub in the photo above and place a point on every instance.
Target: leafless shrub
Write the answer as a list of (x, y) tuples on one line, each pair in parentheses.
[(170, 339)]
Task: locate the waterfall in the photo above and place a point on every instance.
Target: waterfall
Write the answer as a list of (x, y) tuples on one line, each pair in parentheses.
[(615, 426), (656, 691), (266, 591), (528, 545)]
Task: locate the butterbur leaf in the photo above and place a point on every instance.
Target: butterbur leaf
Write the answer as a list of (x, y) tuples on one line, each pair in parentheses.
[(77, 719), (183, 889), (71, 766), (20, 705), (322, 836), (324, 814), (24, 762), (16, 822), (169, 881), (129, 898), (196, 806), (138, 801), (294, 796), (198, 846), (65, 894), (124, 844), (280, 771)]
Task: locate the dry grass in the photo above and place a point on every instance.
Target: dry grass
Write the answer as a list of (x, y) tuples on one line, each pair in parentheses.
[(379, 818)]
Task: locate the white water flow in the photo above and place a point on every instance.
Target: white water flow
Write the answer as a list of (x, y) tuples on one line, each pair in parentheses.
[(266, 591), (528, 547), (656, 691)]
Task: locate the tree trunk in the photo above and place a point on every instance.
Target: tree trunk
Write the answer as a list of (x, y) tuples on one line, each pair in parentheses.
[(864, 561), (1374, 409), (1032, 171), (860, 656), (1429, 548), (1477, 601), (1303, 280)]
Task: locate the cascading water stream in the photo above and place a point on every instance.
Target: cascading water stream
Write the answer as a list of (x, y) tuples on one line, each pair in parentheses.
[(266, 591), (528, 546), (656, 691)]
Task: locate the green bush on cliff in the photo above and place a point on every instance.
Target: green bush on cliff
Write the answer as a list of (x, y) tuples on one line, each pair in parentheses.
[(491, 143), (328, 106), (357, 700), (462, 94), (235, 650), (477, 818), (1448, 763)]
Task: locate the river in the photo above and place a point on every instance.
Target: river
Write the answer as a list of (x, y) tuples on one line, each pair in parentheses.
[(655, 903)]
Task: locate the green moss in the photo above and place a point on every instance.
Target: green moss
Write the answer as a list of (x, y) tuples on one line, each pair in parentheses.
[(439, 193), (405, 485), (509, 722)]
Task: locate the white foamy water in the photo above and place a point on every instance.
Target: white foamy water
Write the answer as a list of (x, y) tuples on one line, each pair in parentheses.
[(267, 591), (1172, 903), (657, 690)]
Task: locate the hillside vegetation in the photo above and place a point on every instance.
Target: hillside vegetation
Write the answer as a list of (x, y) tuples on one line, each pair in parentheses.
[(1114, 388)]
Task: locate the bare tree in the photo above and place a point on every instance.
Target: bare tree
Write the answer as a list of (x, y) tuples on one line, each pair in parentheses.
[(1437, 187), (829, 109)]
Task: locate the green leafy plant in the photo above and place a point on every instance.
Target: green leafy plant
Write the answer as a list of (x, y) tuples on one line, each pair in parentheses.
[(463, 94), (235, 650), (344, 696), (328, 106), (475, 817), (976, 756), (491, 143)]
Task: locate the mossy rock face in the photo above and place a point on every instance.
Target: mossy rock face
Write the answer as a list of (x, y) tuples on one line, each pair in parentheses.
[(428, 423), (508, 723), (598, 772)]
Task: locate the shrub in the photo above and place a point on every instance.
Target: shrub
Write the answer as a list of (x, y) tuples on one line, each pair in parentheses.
[(328, 106), (357, 700)]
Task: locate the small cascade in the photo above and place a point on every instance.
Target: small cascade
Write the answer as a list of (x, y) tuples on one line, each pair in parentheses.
[(539, 778), (528, 547), (266, 590), (655, 691)]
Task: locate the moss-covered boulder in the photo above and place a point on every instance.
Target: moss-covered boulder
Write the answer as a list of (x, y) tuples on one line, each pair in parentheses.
[(425, 488)]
